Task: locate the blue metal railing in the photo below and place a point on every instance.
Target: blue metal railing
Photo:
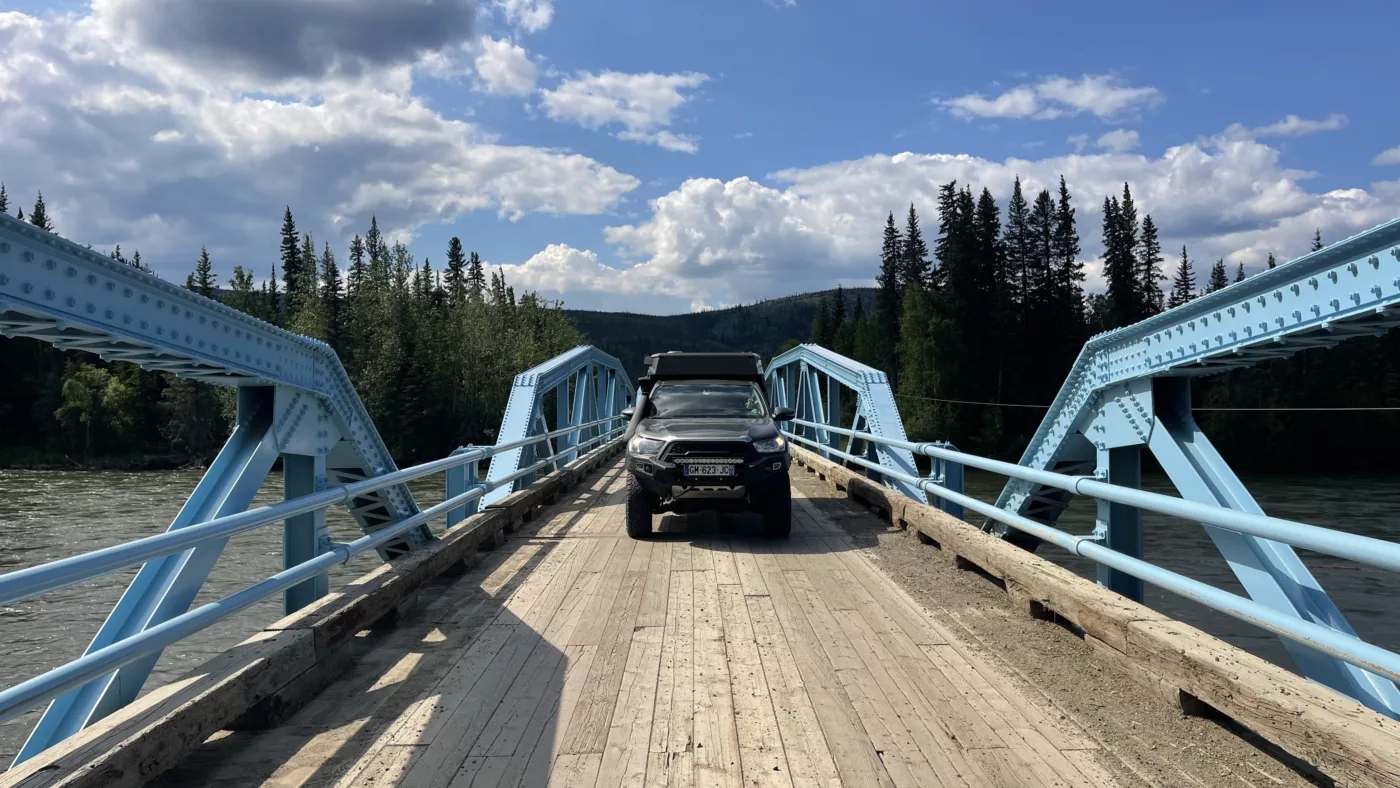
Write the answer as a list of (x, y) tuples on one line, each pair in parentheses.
[(1362, 549), (36, 580)]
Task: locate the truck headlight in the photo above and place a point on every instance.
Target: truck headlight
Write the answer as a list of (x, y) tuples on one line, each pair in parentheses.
[(645, 447), (770, 445)]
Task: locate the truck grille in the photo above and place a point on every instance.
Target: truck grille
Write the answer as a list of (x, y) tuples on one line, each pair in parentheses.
[(707, 451)]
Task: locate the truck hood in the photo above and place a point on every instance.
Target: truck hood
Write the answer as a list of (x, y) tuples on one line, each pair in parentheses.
[(708, 429)]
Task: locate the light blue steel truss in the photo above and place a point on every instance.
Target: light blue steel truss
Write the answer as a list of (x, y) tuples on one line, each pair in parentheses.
[(294, 400), (1130, 388), (587, 385), (810, 379)]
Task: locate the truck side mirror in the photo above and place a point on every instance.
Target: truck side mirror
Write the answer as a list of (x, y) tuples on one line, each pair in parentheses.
[(627, 413), (784, 414)]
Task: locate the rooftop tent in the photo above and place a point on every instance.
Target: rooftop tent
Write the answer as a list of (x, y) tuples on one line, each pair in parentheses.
[(713, 366)]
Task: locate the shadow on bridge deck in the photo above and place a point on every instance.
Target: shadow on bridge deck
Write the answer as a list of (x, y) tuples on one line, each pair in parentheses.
[(704, 656)]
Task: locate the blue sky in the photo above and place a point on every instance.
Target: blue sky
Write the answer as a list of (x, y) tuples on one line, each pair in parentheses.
[(665, 156)]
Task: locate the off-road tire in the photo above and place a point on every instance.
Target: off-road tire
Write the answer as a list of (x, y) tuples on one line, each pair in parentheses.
[(640, 505), (777, 510)]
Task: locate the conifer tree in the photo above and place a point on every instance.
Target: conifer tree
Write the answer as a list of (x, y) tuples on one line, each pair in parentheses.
[(1239, 272), (1017, 242), (1120, 267), (476, 278), (1272, 262), (19, 214), (1150, 267), (272, 300), (1317, 240), (838, 309), (916, 262), (887, 301), (39, 217), (919, 377), (4, 200), (1038, 270), (291, 265), (332, 299), (1069, 270), (137, 264), (241, 295), (357, 266), (456, 279), (1184, 285), (202, 280), (1219, 280)]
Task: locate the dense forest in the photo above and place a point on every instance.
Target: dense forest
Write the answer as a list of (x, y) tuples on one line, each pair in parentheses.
[(977, 332), (432, 354)]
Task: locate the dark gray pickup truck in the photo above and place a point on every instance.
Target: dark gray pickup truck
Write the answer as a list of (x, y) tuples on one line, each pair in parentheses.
[(702, 437)]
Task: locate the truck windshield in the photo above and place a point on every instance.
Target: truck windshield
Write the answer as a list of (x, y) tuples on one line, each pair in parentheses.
[(735, 400)]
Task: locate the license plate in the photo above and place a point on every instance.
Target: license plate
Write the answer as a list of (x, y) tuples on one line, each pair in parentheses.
[(708, 469)]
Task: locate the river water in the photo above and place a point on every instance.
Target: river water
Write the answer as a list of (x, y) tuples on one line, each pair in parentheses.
[(46, 515)]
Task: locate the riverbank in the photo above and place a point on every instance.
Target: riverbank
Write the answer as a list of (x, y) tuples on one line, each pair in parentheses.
[(29, 460)]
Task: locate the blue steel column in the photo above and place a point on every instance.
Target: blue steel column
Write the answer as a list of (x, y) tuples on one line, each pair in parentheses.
[(1119, 525), (165, 587), (1270, 571), (833, 410), (458, 480), (304, 536)]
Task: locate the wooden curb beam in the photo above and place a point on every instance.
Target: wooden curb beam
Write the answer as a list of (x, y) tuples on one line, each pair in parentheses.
[(1341, 738), (265, 679)]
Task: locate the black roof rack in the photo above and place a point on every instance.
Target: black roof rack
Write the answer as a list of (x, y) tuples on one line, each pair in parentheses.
[(676, 365)]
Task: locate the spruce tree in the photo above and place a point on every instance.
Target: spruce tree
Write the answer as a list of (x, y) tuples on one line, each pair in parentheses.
[(1317, 240), (456, 279), (241, 295), (1239, 272), (39, 217), (887, 300), (918, 375), (1120, 267), (1068, 269), (1038, 269), (19, 214), (357, 266), (1018, 242), (332, 299), (202, 280), (916, 262), (1272, 262), (1150, 267), (272, 300), (1184, 285), (1219, 280), (291, 265), (4, 200), (838, 309), (476, 278), (137, 264)]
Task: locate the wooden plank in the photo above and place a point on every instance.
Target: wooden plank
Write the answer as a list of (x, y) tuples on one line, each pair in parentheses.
[(672, 728), (547, 748), (575, 770), (629, 737), (588, 632), (655, 594), (716, 737), (809, 758), (889, 734), (588, 732), (750, 578), (726, 571), (761, 753), (850, 744)]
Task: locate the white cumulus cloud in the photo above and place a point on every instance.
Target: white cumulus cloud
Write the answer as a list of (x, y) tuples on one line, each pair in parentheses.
[(1391, 156), (505, 68), (154, 153), (1119, 140), (1102, 95), (713, 241), (642, 104), (531, 16)]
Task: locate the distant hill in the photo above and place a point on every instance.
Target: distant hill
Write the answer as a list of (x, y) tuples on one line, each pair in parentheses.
[(762, 327)]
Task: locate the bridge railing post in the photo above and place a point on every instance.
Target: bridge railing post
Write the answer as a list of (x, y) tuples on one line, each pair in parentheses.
[(304, 536), (1118, 526), (458, 480)]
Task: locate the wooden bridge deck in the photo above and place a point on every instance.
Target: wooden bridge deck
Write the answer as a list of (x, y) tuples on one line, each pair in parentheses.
[(707, 656)]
